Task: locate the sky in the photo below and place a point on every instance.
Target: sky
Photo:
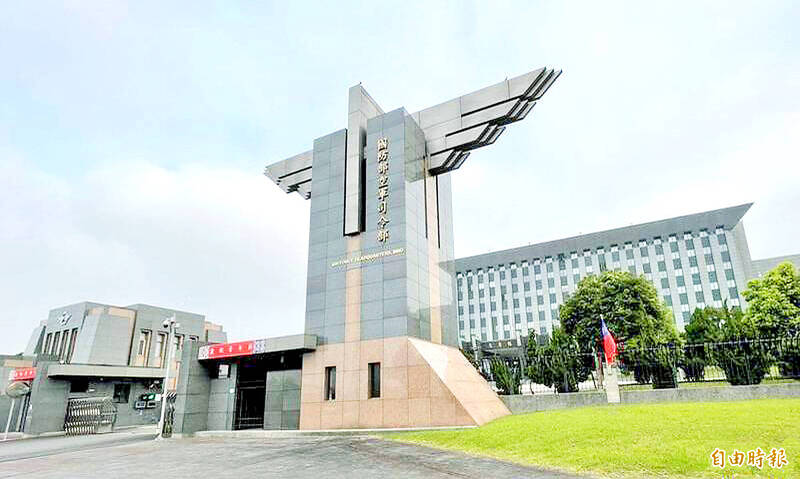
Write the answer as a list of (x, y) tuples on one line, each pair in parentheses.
[(133, 135)]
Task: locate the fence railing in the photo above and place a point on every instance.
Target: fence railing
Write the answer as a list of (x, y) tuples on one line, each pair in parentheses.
[(747, 361)]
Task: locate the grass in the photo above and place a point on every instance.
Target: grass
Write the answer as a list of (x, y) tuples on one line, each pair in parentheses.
[(649, 440)]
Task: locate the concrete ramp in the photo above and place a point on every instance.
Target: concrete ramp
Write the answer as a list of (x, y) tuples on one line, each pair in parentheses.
[(423, 384), (473, 396)]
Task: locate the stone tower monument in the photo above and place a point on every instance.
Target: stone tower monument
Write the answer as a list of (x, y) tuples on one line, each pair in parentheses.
[(380, 260)]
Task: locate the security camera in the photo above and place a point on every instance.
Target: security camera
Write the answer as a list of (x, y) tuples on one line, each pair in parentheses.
[(165, 323)]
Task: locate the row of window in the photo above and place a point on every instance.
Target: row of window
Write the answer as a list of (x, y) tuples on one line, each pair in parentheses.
[(143, 353), (667, 295), (677, 267), (61, 344), (615, 256), (646, 268), (680, 281), (683, 298), (373, 380)]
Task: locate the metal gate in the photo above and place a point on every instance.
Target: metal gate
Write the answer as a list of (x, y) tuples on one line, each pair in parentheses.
[(169, 414), (90, 416)]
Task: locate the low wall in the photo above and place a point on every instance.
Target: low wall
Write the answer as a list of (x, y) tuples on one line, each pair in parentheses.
[(522, 403)]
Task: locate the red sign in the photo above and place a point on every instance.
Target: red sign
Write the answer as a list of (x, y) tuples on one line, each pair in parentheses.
[(23, 374), (227, 350)]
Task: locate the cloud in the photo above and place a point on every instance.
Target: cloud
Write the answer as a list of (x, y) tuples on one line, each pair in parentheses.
[(206, 239), (660, 111)]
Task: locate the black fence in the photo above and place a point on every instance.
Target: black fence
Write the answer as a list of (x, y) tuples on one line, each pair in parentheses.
[(748, 361)]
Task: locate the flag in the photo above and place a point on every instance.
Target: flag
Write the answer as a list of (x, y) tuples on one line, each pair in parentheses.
[(609, 345)]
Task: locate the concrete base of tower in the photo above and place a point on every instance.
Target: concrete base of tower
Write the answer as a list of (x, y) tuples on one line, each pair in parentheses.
[(421, 384)]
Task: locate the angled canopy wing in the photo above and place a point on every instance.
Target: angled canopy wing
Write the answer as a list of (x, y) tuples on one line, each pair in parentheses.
[(452, 129)]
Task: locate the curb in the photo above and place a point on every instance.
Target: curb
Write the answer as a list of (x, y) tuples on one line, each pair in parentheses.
[(278, 434)]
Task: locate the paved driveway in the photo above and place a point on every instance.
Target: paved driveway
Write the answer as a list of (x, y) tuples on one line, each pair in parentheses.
[(295, 457), (49, 446)]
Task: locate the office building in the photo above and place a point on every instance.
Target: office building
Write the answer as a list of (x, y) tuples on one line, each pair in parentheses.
[(693, 261), (761, 266), (92, 350)]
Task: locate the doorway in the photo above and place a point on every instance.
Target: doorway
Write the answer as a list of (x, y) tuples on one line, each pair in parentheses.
[(251, 386)]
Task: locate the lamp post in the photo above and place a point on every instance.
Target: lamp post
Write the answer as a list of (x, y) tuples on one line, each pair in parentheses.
[(10, 414), (171, 324)]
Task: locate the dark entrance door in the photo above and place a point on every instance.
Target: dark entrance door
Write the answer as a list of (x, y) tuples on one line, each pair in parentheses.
[(250, 393)]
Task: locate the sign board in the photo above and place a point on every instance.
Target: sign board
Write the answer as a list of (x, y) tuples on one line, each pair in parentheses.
[(22, 374), (227, 350)]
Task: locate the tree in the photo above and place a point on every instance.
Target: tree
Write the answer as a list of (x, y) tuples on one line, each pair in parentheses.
[(703, 328), (556, 363), (742, 355), (634, 314), (629, 304), (774, 308), (774, 302), (507, 379)]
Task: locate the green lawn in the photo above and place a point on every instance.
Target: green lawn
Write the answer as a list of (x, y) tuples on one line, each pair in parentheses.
[(649, 440)]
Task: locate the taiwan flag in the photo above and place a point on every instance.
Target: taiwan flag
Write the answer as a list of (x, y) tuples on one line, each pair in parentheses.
[(609, 345)]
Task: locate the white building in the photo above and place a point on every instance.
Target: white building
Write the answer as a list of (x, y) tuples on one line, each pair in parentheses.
[(694, 261)]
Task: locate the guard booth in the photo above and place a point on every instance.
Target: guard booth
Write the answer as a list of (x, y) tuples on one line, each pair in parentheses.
[(256, 384), (18, 390)]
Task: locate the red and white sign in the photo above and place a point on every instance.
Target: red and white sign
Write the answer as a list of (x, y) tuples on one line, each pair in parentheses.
[(228, 350), (23, 374)]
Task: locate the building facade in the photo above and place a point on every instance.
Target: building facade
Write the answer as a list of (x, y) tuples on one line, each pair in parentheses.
[(761, 266), (92, 350), (693, 261)]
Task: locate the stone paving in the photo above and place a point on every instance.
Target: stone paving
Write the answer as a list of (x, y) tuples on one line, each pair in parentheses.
[(313, 457)]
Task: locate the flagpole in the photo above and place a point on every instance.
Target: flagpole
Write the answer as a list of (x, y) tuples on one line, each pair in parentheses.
[(610, 381)]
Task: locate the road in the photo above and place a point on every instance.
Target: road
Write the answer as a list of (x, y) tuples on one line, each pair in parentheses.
[(50, 446), (311, 457)]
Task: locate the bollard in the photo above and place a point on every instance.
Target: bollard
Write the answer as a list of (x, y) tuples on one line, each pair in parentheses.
[(611, 383)]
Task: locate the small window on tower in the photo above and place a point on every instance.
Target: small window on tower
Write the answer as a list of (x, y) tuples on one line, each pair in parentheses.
[(374, 380), (330, 383)]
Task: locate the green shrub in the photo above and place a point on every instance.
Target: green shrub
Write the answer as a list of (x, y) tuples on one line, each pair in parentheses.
[(744, 358), (788, 357), (557, 363), (656, 364), (704, 327), (506, 379)]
